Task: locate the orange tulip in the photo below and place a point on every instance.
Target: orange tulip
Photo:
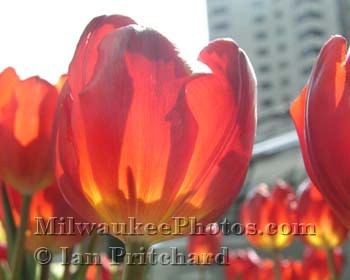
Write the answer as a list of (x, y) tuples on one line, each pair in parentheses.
[(313, 209), (139, 135), (205, 246), (273, 214), (100, 271), (321, 116), (50, 219), (26, 119), (315, 265), (243, 265)]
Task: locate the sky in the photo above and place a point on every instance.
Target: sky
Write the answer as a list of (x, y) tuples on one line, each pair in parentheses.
[(39, 37)]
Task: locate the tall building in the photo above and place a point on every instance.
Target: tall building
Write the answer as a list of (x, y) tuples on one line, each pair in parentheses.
[(344, 16), (282, 38)]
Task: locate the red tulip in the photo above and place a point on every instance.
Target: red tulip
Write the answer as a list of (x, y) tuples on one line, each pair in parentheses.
[(139, 135), (289, 269), (313, 209), (3, 245), (205, 247), (321, 116), (60, 83), (47, 204), (273, 213), (3, 252), (26, 120), (243, 265), (315, 264)]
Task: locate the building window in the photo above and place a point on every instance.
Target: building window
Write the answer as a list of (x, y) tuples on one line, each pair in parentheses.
[(257, 3), (297, 2), (220, 26), (281, 47), (285, 81), (286, 98), (280, 30), (312, 33), (283, 64), (261, 35), (267, 102), (307, 70), (259, 19), (309, 15), (312, 51), (218, 11), (265, 85), (262, 51), (278, 14), (264, 68)]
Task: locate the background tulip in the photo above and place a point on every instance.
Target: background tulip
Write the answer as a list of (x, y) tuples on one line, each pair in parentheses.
[(313, 209), (47, 203), (243, 265), (315, 265), (263, 208), (321, 117), (140, 136), (26, 119), (289, 270), (205, 245)]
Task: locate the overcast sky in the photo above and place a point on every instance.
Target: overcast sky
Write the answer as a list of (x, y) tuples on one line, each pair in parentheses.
[(39, 37)]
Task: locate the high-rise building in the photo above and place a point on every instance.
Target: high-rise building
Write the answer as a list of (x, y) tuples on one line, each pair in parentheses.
[(344, 17), (282, 38)]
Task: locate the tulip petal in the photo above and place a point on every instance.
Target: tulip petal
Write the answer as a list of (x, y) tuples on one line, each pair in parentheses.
[(67, 161), (8, 80), (132, 110), (328, 110), (85, 58), (26, 131), (297, 111), (223, 105)]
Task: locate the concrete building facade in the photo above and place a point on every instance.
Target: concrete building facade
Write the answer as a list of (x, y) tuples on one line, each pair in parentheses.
[(282, 38)]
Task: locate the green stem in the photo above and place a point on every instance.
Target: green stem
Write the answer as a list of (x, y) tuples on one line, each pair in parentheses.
[(117, 273), (10, 226), (30, 266), (276, 266), (66, 273), (331, 264), (17, 260), (134, 268), (45, 271), (81, 272)]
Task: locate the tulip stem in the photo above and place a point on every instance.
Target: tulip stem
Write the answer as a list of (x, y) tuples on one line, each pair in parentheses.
[(135, 261), (331, 264), (276, 264), (81, 272), (66, 273), (45, 271), (17, 259)]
